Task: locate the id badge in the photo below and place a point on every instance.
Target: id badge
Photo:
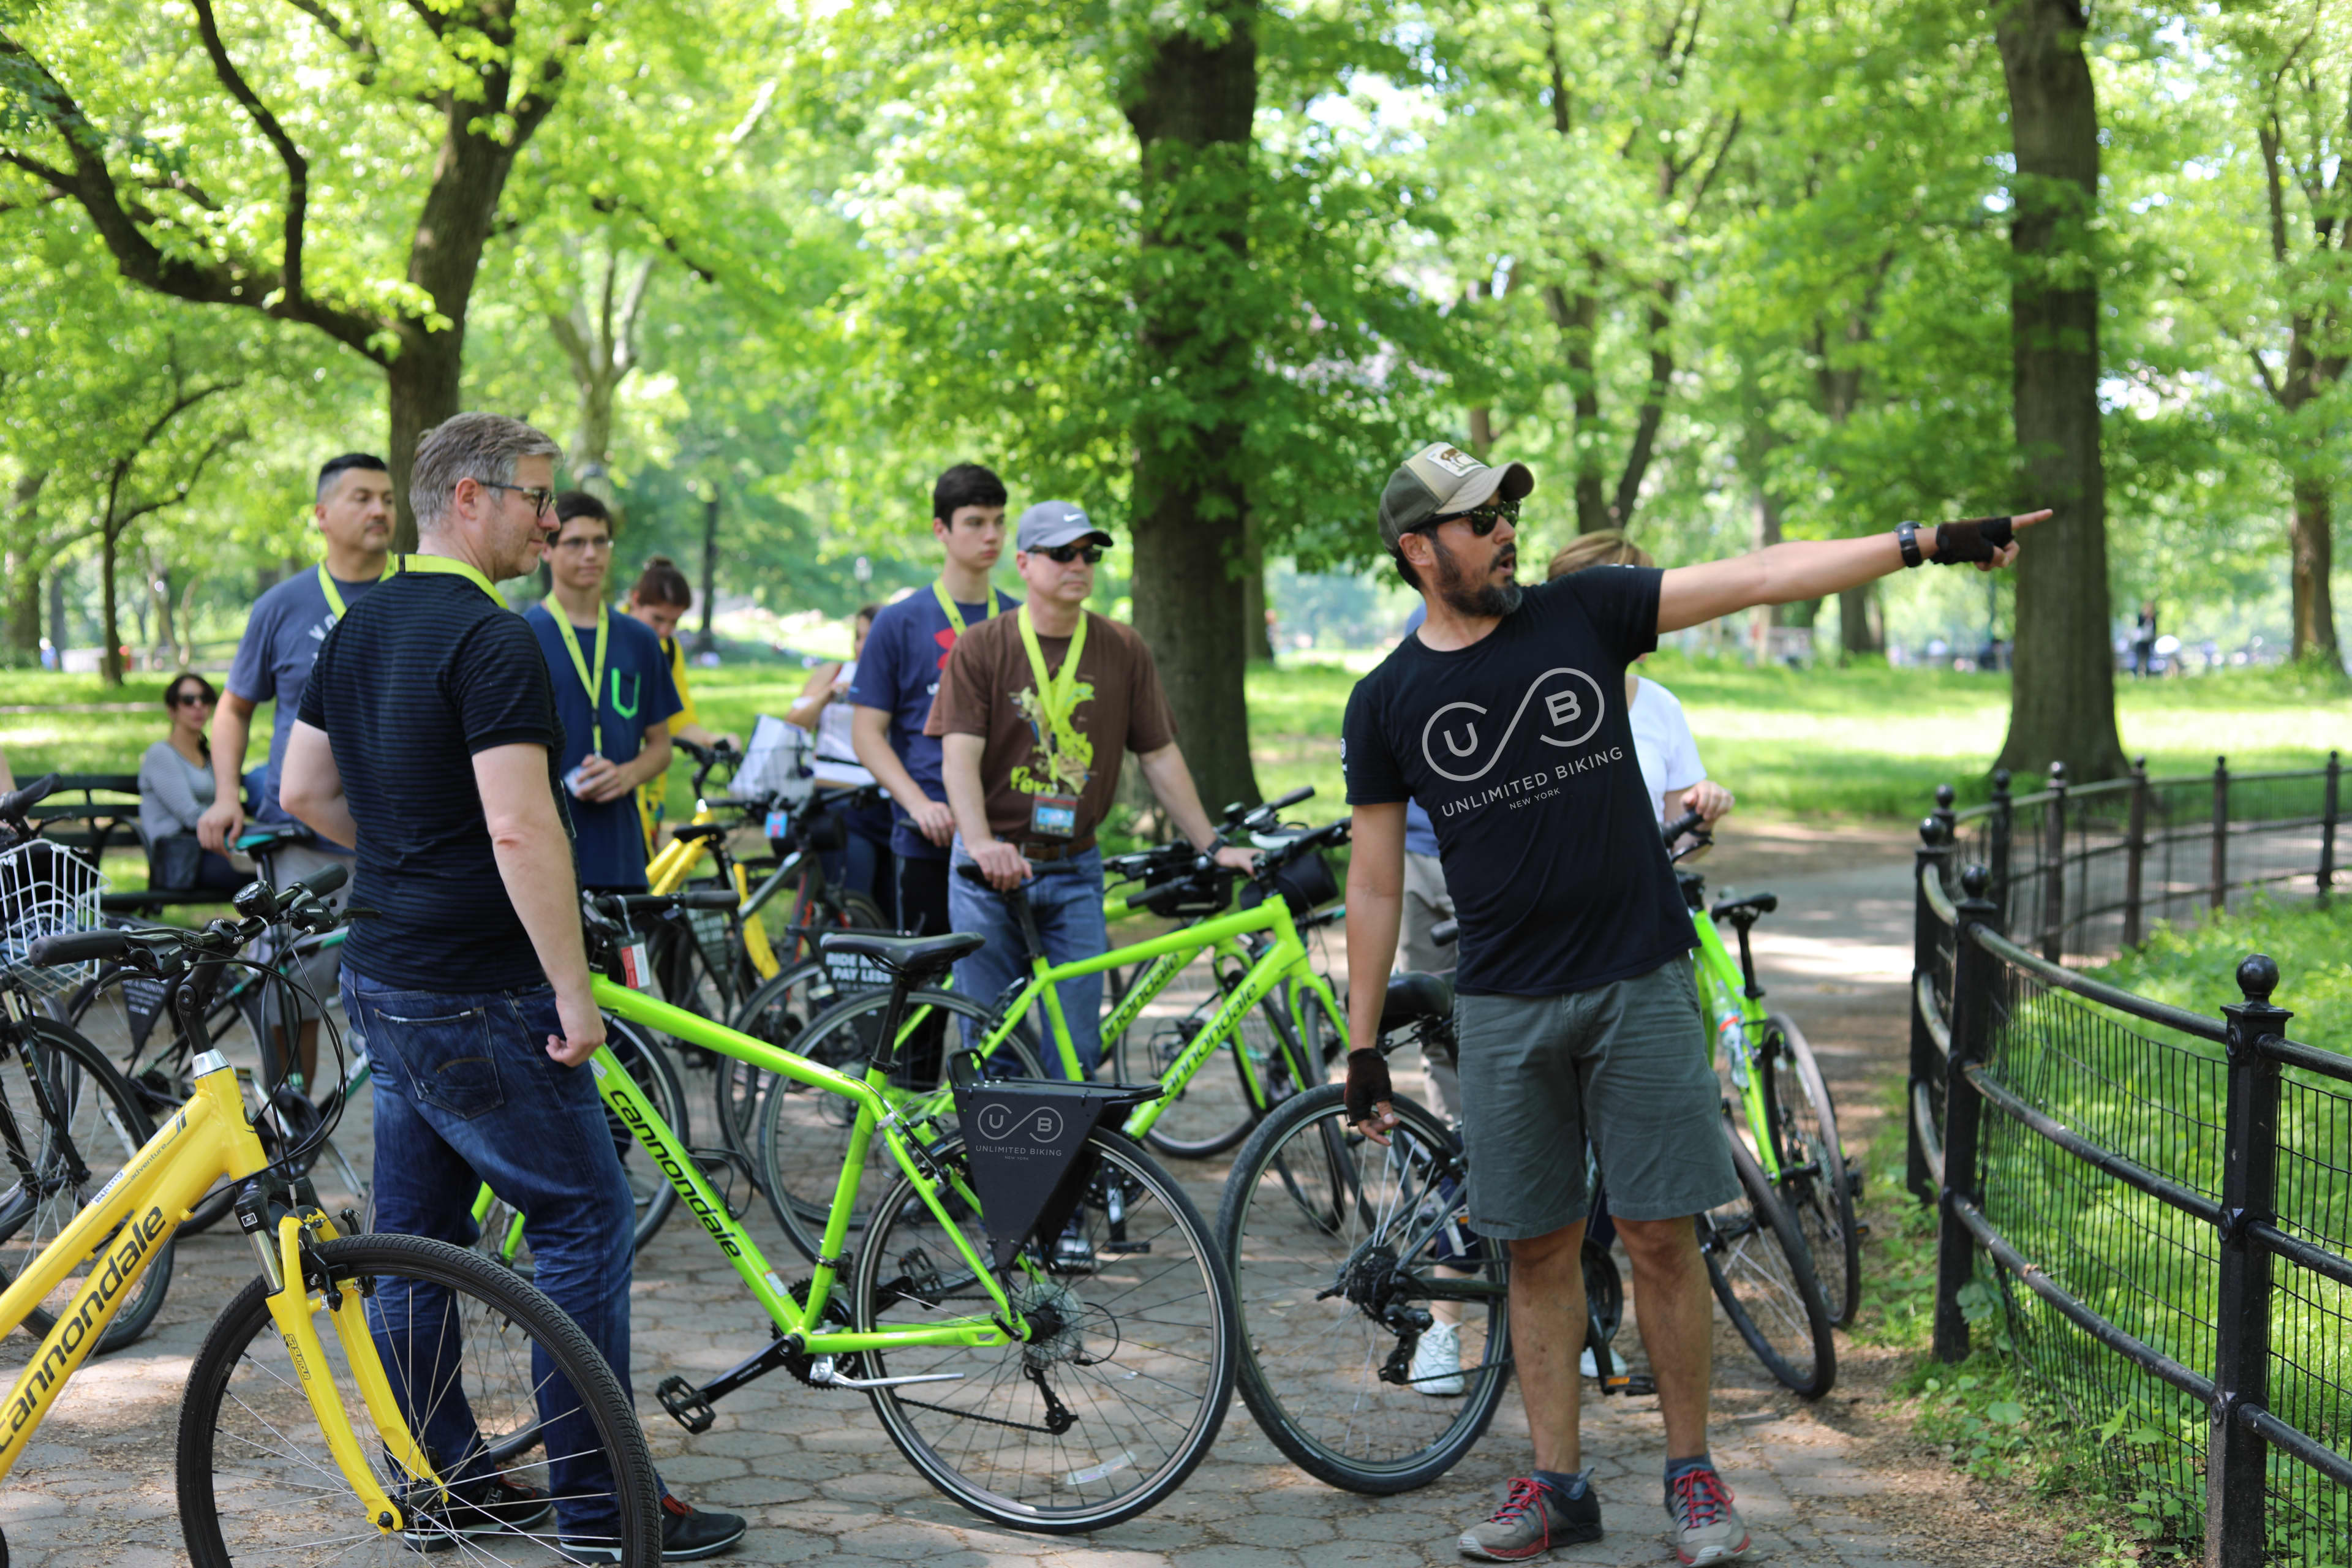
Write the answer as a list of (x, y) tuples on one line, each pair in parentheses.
[(1054, 815)]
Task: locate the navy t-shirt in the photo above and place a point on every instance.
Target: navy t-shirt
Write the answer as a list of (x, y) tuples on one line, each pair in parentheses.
[(1520, 749), (421, 675), (282, 637), (906, 648), (637, 693)]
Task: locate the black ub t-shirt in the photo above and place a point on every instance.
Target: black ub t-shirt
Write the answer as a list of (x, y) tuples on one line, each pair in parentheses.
[(1520, 749), (421, 674)]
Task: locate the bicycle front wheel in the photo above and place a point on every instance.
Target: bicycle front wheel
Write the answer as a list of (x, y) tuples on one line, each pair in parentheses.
[(80, 1123), (1210, 1111), (1121, 1390), (1343, 1252), (1762, 1273), (1812, 1181), (804, 1131), (496, 1385)]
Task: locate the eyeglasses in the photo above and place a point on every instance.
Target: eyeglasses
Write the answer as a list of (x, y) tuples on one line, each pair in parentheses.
[(191, 699), (540, 498), (1482, 520), (584, 546), (1065, 553)]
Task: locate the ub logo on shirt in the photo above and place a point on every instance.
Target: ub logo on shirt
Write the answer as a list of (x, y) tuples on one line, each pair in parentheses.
[(1566, 705)]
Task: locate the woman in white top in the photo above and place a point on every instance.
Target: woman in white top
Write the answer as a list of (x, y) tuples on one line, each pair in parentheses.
[(175, 785), (1663, 743), (823, 709)]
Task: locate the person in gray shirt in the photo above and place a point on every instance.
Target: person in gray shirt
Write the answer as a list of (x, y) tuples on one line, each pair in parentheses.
[(175, 785)]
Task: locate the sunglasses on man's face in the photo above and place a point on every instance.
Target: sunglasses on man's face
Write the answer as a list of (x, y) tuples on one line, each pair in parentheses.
[(1065, 553), (191, 699), (1482, 520)]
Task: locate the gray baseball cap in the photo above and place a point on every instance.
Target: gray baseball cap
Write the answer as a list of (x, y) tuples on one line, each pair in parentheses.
[(1053, 522), (1443, 480)]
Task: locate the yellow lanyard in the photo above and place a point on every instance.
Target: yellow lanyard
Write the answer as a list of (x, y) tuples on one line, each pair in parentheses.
[(594, 683), (444, 564), (1058, 695), (955, 616), (334, 594)]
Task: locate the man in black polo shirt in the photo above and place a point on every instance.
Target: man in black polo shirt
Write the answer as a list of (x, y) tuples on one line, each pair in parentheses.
[(1575, 1007), (428, 739)]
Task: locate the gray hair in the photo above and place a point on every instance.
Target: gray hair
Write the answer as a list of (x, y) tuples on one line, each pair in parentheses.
[(483, 446)]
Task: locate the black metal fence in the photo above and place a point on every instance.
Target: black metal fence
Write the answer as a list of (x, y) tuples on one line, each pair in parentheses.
[(2165, 1196), (2080, 871)]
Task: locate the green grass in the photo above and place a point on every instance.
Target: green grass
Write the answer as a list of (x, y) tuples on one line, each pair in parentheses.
[(1869, 743)]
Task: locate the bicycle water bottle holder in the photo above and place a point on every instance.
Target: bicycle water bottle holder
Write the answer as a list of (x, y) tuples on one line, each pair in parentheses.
[(1025, 1137)]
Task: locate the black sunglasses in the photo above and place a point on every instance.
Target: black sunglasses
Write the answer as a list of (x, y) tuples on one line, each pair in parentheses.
[(1065, 553), (1482, 520), (540, 498), (192, 698)]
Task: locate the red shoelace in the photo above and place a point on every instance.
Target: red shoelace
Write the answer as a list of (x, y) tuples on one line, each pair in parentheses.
[(1700, 1498), (1526, 1498)]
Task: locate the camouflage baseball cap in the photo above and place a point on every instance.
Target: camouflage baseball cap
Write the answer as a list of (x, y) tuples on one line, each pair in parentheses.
[(1444, 480)]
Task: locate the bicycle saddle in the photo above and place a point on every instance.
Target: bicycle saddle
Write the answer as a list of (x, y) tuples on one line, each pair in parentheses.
[(1415, 996), (268, 836), (908, 957)]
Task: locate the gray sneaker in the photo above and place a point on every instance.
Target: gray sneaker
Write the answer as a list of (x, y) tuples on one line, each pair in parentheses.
[(1708, 1529), (1532, 1520)]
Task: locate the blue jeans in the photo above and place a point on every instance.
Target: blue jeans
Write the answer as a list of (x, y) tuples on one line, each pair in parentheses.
[(1067, 899), (467, 1094)]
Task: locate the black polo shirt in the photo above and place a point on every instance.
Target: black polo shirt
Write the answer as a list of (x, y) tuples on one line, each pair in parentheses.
[(421, 675)]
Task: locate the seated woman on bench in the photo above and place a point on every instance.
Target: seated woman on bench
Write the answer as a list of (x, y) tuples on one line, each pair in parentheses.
[(175, 785)]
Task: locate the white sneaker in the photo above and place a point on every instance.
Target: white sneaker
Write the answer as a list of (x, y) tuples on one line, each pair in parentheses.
[(1592, 1368), (1437, 1362)]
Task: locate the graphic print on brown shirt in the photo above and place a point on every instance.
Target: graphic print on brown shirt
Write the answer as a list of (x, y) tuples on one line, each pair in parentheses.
[(989, 689)]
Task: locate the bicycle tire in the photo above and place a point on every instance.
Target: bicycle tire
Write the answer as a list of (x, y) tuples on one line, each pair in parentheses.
[(1763, 1275), (237, 1388), (805, 1131), (1311, 1364), (1153, 1321), (97, 1117), (1208, 1116), (1812, 1156)]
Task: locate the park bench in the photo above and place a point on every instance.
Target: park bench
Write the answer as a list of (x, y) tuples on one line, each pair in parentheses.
[(98, 812)]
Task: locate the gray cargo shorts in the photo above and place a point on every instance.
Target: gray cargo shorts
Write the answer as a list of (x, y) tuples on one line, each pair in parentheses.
[(1625, 1063)]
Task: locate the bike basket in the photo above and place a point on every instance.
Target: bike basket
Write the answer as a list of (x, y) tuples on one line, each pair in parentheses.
[(45, 890), (1305, 883), (1025, 1137)]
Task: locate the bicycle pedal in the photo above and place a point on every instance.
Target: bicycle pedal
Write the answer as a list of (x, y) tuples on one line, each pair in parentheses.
[(1125, 1248), (684, 1402), (1633, 1385)]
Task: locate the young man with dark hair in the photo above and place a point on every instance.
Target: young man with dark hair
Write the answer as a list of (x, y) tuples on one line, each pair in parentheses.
[(428, 737), (1035, 711), (899, 673), (351, 509), (1504, 717), (613, 692)]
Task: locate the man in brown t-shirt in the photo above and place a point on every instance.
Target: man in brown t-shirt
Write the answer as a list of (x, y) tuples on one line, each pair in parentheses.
[(1034, 713)]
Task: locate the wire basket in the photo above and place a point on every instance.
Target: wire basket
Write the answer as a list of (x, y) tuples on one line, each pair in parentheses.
[(45, 890)]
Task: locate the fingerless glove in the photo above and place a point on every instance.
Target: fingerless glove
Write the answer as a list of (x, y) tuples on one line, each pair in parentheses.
[(1971, 539), (1368, 1084)]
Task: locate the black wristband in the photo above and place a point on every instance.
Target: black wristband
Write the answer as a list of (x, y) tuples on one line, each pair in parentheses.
[(1972, 539), (1907, 538)]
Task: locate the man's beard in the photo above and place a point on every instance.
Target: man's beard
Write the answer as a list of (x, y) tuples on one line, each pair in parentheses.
[(1484, 601)]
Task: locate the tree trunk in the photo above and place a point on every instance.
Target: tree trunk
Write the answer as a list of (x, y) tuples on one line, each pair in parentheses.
[(110, 621), (24, 609), (2312, 542), (422, 386), (1860, 633), (2062, 702), (1191, 104), (166, 644), (709, 641), (1257, 642), (60, 634)]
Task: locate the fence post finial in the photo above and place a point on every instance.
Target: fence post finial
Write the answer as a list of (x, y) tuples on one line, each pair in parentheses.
[(2236, 1456)]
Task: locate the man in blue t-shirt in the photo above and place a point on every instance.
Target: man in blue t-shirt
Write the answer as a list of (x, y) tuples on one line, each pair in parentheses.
[(617, 738), (1504, 716), (899, 673)]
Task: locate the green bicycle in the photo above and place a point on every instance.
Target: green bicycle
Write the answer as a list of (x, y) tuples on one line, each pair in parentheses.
[(1274, 1013), (1791, 1120), (1037, 1309)]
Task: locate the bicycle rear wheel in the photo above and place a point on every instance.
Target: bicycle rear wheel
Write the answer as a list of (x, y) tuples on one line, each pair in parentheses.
[(1762, 1273), (1327, 1233), (480, 1360), (1813, 1182), (80, 1128), (805, 1131), (1213, 1111), (776, 1013), (1107, 1411)]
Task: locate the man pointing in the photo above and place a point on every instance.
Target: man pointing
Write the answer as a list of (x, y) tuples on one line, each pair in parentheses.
[(1575, 1008)]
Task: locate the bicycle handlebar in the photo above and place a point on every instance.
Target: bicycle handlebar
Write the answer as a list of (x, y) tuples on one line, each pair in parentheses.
[(685, 898), (78, 947), (16, 802), (1688, 822)]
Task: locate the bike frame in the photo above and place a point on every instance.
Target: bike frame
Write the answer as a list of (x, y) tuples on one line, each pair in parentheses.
[(1283, 961), (134, 1217), (875, 1114), (1723, 994)]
